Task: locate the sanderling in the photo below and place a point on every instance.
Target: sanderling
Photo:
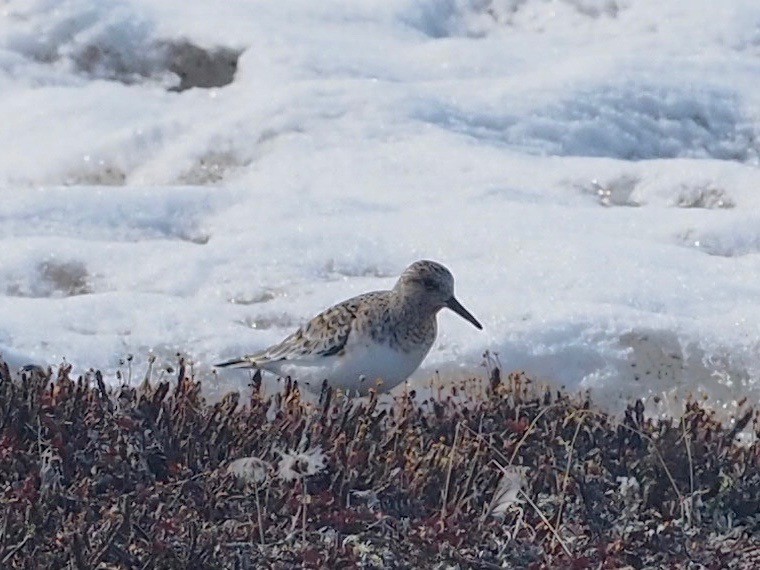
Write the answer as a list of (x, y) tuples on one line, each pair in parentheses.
[(374, 339)]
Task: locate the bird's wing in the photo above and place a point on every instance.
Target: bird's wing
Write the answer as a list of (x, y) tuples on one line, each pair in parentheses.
[(324, 335)]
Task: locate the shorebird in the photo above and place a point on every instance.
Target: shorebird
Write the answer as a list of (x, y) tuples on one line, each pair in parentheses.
[(374, 339)]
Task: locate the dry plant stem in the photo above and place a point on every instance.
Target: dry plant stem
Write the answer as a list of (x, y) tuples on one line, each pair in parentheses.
[(590, 412), (687, 444), (567, 472), (149, 371), (304, 500), (76, 547), (474, 464), (547, 523), (660, 457), (258, 511), (528, 431), (656, 450), (5, 527), (488, 443), (18, 547), (449, 470)]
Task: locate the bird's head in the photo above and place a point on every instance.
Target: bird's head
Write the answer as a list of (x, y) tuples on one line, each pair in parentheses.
[(431, 286)]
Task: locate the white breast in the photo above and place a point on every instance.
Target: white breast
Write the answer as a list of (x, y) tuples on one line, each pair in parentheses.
[(365, 359)]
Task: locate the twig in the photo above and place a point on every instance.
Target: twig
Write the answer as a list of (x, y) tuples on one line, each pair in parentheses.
[(547, 523), (449, 470), (659, 456), (258, 511), (567, 472), (304, 500), (531, 427), (687, 444), (488, 443), (76, 549), (109, 541), (12, 552), (474, 463), (5, 526), (654, 447), (149, 371)]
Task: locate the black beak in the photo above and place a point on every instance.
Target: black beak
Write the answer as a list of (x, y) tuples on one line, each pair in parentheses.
[(456, 306)]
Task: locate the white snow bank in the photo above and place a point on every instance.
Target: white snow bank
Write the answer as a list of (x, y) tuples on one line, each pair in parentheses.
[(588, 170)]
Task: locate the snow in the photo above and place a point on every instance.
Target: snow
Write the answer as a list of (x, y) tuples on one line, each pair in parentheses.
[(588, 169)]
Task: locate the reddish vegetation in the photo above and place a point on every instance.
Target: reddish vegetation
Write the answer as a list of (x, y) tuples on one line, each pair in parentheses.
[(137, 478)]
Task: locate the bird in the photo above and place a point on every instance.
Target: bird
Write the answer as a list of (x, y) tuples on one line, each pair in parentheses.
[(376, 339)]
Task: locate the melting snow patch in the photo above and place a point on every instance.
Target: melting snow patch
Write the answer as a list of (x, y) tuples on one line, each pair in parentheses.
[(479, 18), (113, 41), (615, 192), (630, 122), (707, 196), (53, 279), (727, 239)]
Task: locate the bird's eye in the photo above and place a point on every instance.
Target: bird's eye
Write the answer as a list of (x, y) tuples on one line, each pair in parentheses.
[(429, 284)]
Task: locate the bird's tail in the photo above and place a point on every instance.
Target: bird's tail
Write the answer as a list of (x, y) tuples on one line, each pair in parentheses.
[(236, 363)]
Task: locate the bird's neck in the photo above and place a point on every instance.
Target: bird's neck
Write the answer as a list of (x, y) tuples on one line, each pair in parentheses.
[(406, 306), (411, 325)]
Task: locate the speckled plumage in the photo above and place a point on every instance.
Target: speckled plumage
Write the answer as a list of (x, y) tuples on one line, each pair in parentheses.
[(378, 336)]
